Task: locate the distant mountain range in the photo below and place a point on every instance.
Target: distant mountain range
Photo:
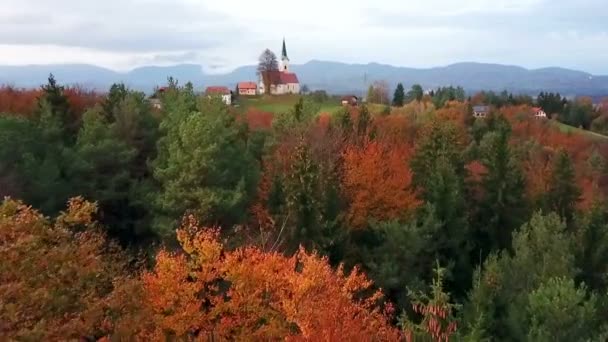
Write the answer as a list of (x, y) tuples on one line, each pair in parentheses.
[(336, 78)]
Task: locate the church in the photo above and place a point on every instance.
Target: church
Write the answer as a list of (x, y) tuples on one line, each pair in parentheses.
[(282, 81)]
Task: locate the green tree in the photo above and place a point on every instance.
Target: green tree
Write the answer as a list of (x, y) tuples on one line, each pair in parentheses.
[(563, 193), (54, 102), (542, 250), (204, 167), (99, 170), (592, 253), (364, 121), (416, 93), (559, 311), (399, 96), (118, 92), (502, 207)]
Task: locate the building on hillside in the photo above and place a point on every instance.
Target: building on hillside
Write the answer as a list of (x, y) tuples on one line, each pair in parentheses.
[(224, 92), (539, 113), (351, 100), (281, 81), (155, 103), (247, 88), (154, 100), (481, 111)]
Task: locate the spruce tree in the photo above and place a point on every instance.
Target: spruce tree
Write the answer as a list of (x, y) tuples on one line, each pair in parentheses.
[(503, 207), (399, 96), (563, 193), (204, 168)]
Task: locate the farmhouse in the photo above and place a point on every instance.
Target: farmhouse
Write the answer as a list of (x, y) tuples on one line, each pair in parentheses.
[(281, 81), (351, 100), (224, 92), (539, 113), (481, 111), (247, 88)]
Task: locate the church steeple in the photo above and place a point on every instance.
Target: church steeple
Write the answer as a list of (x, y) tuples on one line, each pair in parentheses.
[(284, 52), (284, 58)]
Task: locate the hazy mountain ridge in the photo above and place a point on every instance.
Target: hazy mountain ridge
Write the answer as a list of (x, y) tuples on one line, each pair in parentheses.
[(335, 77)]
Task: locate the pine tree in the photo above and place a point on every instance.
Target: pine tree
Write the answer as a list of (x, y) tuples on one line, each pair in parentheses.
[(399, 96), (204, 167), (57, 104), (99, 170), (563, 193), (502, 208), (364, 121), (592, 254)]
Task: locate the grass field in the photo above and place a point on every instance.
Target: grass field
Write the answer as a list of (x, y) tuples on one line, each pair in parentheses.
[(280, 104), (573, 130)]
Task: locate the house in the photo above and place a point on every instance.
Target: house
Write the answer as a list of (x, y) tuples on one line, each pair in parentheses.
[(481, 111), (224, 92), (247, 88), (351, 100), (281, 81), (539, 113), (155, 103)]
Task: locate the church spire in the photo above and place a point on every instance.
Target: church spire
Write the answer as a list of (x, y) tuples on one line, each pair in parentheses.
[(284, 52)]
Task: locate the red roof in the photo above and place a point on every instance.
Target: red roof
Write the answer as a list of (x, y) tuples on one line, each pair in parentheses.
[(247, 85), (536, 109), (277, 77), (217, 90)]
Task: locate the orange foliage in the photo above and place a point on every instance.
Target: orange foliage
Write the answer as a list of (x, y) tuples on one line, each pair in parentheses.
[(211, 293), (257, 119), (454, 111), (18, 101), (55, 284), (377, 182)]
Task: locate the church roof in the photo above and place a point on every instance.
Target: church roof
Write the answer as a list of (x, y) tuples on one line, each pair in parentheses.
[(278, 77)]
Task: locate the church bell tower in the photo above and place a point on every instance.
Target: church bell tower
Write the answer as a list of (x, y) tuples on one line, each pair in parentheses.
[(284, 59)]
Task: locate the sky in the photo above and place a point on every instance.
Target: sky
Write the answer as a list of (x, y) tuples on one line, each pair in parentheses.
[(223, 34)]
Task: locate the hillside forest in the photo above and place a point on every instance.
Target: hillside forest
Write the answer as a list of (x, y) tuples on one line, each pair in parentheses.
[(407, 222)]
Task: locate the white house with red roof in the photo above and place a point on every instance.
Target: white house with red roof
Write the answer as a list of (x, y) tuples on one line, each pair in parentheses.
[(282, 81), (539, 112), (224, 92), (247, 88)]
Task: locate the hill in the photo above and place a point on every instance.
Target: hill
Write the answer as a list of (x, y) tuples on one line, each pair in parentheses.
[(333, 76)]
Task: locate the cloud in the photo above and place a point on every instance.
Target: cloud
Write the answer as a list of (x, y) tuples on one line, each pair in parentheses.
[(221, 35)]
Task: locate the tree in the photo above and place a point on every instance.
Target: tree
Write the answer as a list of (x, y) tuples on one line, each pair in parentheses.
[(542, 250), (363, 121), (204, 167), (592, 252), (378, 93), (559, 311), (99, 169), (118, 92), (563, 193), (399, 96), (502, 207), (57, 275), (211, 293), (377, 182), (267, 63), (55, 101), (416, 93)]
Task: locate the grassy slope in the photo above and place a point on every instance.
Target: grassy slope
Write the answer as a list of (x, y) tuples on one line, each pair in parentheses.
[(279, 104), (569, 129)]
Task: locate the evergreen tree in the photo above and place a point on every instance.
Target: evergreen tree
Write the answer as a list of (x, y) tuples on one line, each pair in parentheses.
[(345, 120), (204, 168), (371, 95), (118, 92), (416, 93), (399, 96), (54, 102), (364, 121), (592, 253), (498, 303), (559, 311), (563, 193), (99, 170), (502, 207)]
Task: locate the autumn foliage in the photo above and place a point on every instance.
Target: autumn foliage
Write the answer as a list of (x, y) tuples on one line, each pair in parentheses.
[(377, 182), (56, 279), (208, 292)]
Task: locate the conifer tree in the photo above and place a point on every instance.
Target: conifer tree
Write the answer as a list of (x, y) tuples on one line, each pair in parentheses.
[(563, 193), (399, 96)]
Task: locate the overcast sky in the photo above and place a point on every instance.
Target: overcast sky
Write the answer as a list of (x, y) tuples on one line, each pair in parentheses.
[(223, 34)]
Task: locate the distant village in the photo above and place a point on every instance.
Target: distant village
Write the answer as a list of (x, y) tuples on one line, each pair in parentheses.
[(281, 80)]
